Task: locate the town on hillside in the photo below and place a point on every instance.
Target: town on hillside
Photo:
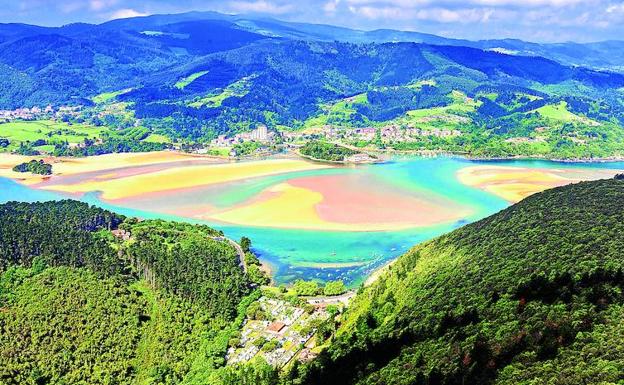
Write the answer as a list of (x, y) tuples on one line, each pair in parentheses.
[(259, 141)]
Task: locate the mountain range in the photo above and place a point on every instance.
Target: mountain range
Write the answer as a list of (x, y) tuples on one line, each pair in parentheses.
[(601, 55), (196, 75)]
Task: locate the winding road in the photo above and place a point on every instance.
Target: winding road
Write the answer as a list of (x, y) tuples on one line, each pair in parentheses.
[(237, 247)]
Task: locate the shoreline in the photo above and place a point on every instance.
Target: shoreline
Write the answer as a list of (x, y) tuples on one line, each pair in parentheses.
[(543, 158), (335, 162), (151, 157), (229, 159), (378, 272)]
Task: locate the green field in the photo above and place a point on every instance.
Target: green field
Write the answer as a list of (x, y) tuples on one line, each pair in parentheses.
[(559, 112), (447, 115), (184, 82), (157, 138), (50, 131), (239, 89), (108, 96), (338, 113)]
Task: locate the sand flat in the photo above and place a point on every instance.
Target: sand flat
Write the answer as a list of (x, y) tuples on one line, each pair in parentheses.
[(283, 205), (8, 161), (75, 166), (320, 203), (182, 177), (358, 199), (516, 183)]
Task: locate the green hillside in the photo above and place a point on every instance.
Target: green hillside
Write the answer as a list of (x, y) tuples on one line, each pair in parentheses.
[(191, 90), (153, 303), (184, 82), (531, 295)]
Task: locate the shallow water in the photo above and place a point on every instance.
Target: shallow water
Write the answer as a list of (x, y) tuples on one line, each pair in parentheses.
[(350, 256)]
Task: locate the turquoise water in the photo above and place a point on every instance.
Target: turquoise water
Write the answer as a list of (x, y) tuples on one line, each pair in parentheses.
[(295, 253)]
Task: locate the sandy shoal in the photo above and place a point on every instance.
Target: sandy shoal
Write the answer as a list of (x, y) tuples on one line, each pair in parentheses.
[(183, 177), (73, 166), (516, 183), (358, 199), (287, 205), (103, 162), (8, 161), (282, 205)]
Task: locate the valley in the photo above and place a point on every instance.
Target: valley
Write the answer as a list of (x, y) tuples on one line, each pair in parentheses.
[(217, 198)]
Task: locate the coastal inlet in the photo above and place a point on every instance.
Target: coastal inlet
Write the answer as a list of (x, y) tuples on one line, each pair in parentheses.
[(306, 220)]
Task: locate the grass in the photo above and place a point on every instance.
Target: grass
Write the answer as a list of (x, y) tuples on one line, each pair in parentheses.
[(419, 84), (157, 138), (219, 151), (108, 96), (51, 131), (491, 95), (461, 104), (239, 89), (337, 112), (342, 110), (560, 112), (184, 82)]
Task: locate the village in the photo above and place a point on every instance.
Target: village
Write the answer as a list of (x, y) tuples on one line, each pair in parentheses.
[(280, 330), (266, 138), (387, 133), (37, 113), (261, 141)]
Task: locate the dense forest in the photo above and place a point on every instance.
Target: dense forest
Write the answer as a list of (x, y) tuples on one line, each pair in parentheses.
[(532, 294), (36, 167), (326, 151), (88, 296)]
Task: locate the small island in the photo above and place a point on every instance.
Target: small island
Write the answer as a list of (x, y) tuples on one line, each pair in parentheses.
[(334, 153), (36, 167)]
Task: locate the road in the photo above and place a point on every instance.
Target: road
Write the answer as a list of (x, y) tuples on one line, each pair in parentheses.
[(237, 247), (331, 300)]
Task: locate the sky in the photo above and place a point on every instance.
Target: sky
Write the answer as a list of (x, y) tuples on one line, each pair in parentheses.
[(533, 20)]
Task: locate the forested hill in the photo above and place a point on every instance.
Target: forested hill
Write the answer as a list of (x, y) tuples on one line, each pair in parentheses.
[(88, 296), (193, 77), (532, 294)]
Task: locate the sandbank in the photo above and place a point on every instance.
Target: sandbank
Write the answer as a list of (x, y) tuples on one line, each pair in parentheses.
[(516, 183), (337, 203), (68, 166), (181, 177), (358, 199)]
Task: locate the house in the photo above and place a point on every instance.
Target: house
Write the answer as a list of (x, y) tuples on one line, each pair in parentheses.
[(276, 327), (360, 158), (121, 234)]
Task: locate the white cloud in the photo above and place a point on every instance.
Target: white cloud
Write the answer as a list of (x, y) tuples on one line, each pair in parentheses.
[(125, 13), (615, 8), (331, 6), (100, 5), (436, 14), (451, 4), (260, 6), (443, 15), (528, 3), (70, 6)]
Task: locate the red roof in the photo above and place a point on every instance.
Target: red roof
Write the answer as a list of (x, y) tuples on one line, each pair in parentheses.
[(276, 327)]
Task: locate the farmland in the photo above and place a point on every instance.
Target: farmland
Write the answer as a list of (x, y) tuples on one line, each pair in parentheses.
[(108, 96), (184, 82), (47, 132)]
